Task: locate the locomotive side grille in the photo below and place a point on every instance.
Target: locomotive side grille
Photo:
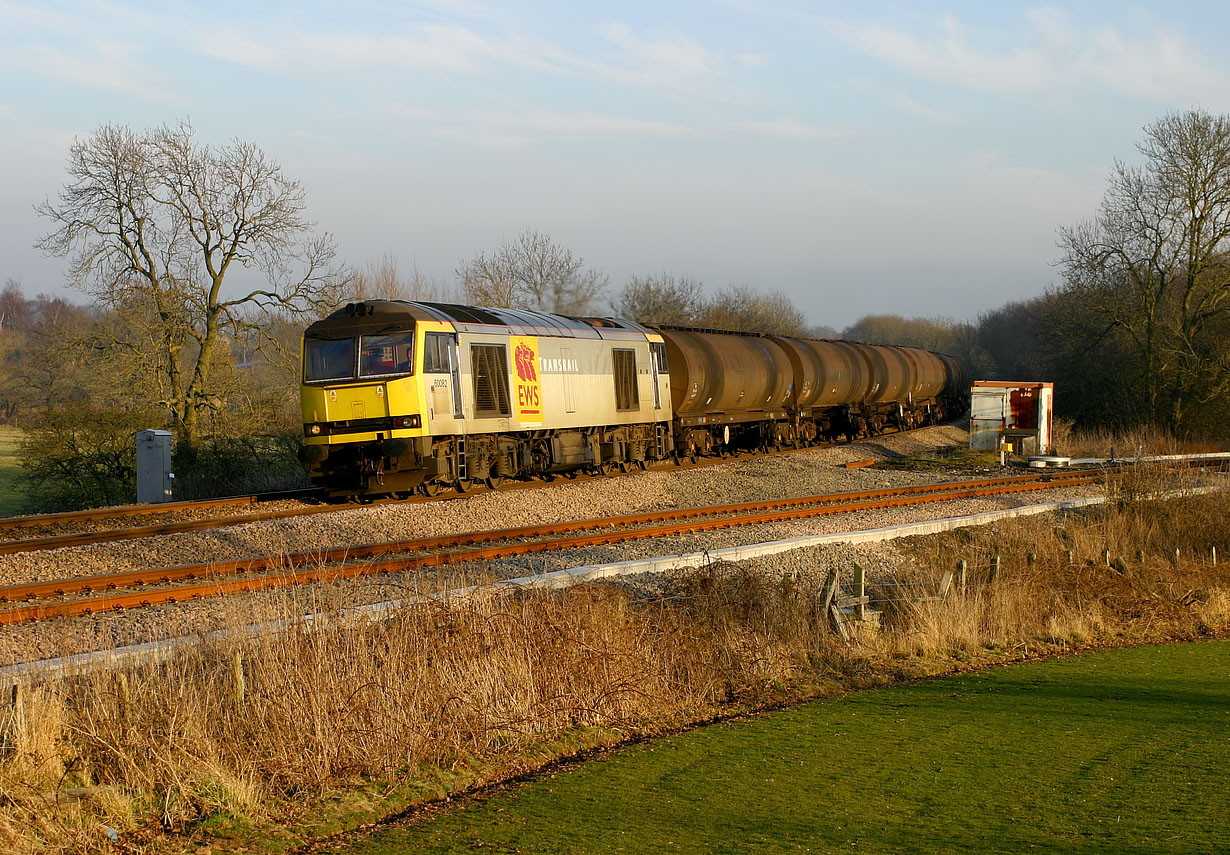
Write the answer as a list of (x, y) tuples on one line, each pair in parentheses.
[(626, 393), (489, 365)]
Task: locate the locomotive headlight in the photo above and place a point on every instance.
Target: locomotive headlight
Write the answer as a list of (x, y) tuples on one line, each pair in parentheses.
[(313, 430)]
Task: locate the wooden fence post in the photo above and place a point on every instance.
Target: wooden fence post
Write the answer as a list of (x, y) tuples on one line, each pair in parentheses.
[(237, 672), (946, 585), (860, 590), (12, 723), (125, 696), (962, 566), (994, 571)]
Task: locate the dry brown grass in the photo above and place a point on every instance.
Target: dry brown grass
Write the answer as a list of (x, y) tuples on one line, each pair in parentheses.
[(1144, 440), (488, 686)]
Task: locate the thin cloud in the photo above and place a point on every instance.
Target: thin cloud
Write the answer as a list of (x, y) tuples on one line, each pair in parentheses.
[(1052, 53), (113, 66), (500, 129), (428, 47), (905, 103), (675, 61), (787, 128)]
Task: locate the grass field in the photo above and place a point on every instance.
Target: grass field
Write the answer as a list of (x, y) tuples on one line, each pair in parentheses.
[(12, 501), (1121, 752)]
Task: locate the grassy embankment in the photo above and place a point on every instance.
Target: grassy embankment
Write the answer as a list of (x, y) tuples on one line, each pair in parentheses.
[(12, 499), (1111, 752), (279, 739)]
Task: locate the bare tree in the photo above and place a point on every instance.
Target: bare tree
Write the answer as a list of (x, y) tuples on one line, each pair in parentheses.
[(384, 281), (741, 307), (661, 298), (155, 223), (927, 333), (1153, 261), (532, 272)]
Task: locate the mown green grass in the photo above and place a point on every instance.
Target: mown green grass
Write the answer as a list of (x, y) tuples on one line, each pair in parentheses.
[(1120, 752), (12, 499)]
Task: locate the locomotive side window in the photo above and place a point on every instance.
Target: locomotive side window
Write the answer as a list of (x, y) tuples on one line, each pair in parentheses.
[(436, 353), (657, 352), (627, 396), (489, 366), (328, 359), (386, 354)]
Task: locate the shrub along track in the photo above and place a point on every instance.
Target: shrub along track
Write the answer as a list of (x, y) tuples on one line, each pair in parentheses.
[(185, 582)]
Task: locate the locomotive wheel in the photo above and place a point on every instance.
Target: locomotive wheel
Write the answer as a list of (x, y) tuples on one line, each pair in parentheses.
[(625, 466), (463, 486), (430, 488), (642, 465), (494, 481)]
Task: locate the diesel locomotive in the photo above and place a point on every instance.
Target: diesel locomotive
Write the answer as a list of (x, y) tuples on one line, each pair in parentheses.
[(405, 396)]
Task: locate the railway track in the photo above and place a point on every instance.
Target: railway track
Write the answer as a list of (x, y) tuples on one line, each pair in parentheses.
[(72, 597), (14, 545)]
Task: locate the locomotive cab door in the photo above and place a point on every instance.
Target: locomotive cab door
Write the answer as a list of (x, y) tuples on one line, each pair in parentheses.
[(657, 363), (441, 358), (454, 370)]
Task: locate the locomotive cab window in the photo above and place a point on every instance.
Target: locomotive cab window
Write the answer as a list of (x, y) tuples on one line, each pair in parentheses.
[(386, 354), (328, 359)]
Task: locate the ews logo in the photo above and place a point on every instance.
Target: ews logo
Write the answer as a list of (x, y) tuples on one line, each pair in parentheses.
[(529, 389)]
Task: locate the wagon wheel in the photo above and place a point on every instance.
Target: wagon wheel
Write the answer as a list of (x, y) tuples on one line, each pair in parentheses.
[(642, 465), (430, 488), (494, 481), (463, 485), (625, 466)]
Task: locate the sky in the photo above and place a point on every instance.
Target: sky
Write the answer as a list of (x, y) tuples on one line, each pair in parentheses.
[(912, 158)]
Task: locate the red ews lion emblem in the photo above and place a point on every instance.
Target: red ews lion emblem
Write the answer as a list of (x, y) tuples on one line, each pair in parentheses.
[(526, 370)]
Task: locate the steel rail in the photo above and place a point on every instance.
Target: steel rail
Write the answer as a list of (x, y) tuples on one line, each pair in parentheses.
[(122, 511), (727, 516), (62, 587), (61, 541)]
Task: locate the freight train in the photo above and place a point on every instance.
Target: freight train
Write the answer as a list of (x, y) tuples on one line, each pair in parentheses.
[(401, 396)]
